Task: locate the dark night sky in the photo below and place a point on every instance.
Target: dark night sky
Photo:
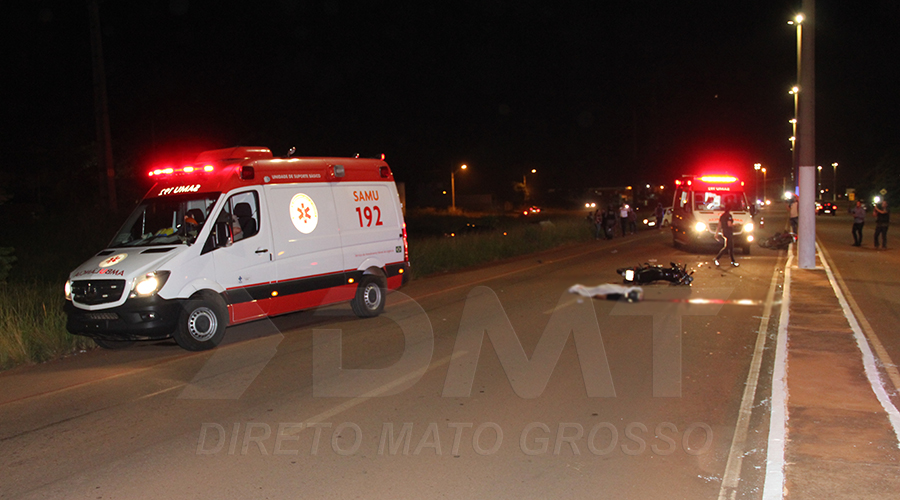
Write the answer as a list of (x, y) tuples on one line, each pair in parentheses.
[(591, 94)]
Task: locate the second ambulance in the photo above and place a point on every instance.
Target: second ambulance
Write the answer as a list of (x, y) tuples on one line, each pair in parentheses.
[(698, 204)]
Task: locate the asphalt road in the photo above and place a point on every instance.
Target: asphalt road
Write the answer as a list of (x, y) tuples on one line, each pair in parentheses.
[(419, 404)]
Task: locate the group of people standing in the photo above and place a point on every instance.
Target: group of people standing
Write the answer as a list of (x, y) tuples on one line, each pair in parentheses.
[(882, 221), (606, 221)]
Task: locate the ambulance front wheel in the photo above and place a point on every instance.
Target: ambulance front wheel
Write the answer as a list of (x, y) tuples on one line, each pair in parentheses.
[(369, 300), (202, 323)]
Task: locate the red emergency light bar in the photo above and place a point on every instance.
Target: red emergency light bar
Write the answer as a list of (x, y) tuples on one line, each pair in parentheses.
[(718, 179), (187, 169)]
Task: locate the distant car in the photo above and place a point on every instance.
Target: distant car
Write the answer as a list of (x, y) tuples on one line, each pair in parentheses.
[(826, 207), (667, 217), (531, 210)]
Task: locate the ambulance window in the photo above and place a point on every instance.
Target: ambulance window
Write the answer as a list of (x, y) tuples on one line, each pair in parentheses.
[(683, 199), (242, 210)]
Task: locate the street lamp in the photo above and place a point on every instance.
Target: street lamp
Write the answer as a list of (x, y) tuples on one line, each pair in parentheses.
[(525, 184), (795, 91), (756, 167), (453, 187), (764, 184), (819, 182), (834, 178)]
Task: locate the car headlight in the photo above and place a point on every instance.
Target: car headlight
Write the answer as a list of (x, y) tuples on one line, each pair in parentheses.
[(700, 227), (748, 227), (149, 284), (68, 289)]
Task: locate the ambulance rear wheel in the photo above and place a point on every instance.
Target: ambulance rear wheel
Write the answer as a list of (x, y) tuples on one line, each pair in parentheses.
[(369, 300), (202, 323)]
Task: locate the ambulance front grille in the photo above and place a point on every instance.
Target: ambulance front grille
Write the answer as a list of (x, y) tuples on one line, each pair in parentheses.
[(93, 292)]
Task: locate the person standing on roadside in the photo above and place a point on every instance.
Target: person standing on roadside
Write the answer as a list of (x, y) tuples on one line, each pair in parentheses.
[(623, 218), (597, 220), (610, 222), (726, 229), (859, 219), (794, 209), (632, 221), (882, 221)]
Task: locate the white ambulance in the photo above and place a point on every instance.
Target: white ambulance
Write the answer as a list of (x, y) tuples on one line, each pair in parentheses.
[(700, 201), (240, 235)]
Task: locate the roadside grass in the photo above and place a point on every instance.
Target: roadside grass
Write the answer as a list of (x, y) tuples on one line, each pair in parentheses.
[(33, 325), (441, 254)]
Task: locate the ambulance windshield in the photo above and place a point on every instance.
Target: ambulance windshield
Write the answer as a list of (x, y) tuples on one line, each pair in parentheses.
[(169, 220), (712, 200)]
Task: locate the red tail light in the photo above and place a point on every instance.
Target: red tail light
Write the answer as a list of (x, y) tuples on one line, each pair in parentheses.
[(405, 245)]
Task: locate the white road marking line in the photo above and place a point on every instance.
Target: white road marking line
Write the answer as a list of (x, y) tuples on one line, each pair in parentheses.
[(868, 358), (774, 484), (889, 367), (731, 478)]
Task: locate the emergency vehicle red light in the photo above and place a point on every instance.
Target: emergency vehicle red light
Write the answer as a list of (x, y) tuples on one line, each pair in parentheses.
[(718, 179), (677, 182), (208, 168), (188, 169)]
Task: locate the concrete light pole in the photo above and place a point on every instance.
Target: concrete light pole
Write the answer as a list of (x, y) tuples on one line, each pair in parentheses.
[(806, 122)]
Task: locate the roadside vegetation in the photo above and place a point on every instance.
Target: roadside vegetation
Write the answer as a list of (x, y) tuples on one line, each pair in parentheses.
[(33, 324), (455, 251)]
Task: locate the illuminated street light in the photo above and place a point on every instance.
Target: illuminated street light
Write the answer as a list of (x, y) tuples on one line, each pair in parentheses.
[(756, 167), (795, 91), (525, 184), (819, 181), (453, 187), (834, 178)]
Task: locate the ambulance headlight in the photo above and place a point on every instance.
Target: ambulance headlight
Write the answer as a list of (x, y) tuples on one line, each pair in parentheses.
[(68, 289), (149, 284), (748, 227), (700, 227)]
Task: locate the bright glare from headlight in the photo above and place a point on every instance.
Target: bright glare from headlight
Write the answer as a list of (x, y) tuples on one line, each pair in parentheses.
[(147, 285), (68, 289), (750, 238), (629, 275), (748, 227), (700, 227)]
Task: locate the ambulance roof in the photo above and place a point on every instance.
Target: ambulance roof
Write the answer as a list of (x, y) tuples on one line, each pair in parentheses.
[(222, 170)]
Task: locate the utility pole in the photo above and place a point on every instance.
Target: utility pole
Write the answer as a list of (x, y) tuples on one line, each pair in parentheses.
[(806, 241), (101, 109)]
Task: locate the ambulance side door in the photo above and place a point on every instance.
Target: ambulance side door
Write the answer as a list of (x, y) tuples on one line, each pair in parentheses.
[(307, 243), (246, 267)]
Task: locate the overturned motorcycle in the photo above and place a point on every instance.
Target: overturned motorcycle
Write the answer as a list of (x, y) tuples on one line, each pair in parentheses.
[(648, 273)]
